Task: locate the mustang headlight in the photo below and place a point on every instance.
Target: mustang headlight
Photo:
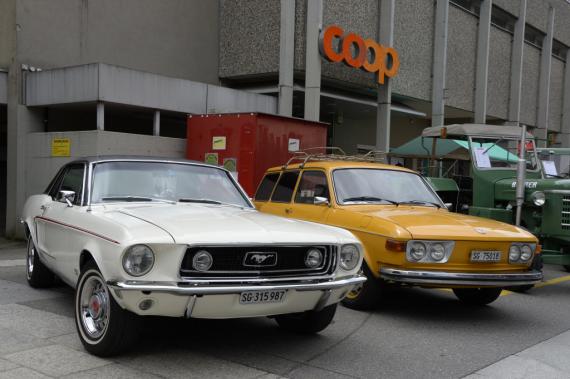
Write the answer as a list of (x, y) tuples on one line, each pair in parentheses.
[(202, 261), (349, 257), (538, 198), (138, 260), (313, 258)]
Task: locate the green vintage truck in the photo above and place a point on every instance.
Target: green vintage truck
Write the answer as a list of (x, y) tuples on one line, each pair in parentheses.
[(479, 177)]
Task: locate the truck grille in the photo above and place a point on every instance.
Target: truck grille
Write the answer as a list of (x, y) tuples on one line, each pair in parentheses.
[(230, 261), (565, 219)]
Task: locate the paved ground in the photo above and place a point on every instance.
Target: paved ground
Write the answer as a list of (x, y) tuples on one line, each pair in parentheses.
[(416, 333)]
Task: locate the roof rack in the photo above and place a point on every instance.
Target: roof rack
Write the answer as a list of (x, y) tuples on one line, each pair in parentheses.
[(336, 154)]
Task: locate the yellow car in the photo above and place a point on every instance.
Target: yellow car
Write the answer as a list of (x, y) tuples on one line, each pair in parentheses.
[(409, 236)]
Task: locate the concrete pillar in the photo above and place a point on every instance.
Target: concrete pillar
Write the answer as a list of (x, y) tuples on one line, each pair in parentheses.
[(517, 67), (286, 57), (386, 38), (482, 65), (100, 116), (544, 85), (156, 123), (565, 136), (313, 60), (439, 62)]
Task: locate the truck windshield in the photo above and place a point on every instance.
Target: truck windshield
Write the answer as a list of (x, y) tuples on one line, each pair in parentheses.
[(501, 153), (364, 185), (163, 181), (555, 163)]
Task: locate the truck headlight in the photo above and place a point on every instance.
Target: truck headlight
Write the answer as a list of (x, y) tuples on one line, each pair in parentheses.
[(349, 257), (138, 260), (538, 198)]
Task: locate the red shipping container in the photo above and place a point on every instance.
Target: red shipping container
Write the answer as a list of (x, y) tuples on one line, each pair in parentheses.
[(250, 143)]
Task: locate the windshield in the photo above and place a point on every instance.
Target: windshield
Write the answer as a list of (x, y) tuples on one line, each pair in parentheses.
[(501, 153), (362, 185), (555, 164), (163, 181)]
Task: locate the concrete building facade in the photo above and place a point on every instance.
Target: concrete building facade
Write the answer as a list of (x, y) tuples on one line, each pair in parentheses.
[(97, 72)]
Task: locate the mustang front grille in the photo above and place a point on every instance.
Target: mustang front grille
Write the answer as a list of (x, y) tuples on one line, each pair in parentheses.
[(263, 261)]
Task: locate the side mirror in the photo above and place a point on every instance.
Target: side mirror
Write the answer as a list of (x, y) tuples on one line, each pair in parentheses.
[(66, 196), (318, 200), (449, 205)]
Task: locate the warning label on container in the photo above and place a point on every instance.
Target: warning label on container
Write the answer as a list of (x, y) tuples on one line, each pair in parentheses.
[(230, 164), (60, 147), (211, 158), (219, 143), (294, 144)]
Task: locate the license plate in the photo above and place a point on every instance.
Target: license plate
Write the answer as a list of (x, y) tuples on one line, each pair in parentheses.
[(256, 297), (485, 256)]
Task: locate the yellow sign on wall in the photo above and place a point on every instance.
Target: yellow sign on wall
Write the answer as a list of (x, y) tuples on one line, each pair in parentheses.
[(219, 143), (60, 147)]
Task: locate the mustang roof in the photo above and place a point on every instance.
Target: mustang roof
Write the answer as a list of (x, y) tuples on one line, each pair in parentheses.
[(476, 130), (106, 158)]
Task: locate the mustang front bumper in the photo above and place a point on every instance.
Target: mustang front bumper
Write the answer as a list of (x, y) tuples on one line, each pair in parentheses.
[(440, 278), (213, 299)]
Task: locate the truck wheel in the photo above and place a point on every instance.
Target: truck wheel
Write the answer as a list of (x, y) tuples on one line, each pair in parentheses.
[(477, 296), (365, 296), (104, 328), (38, 275), (307, 322)]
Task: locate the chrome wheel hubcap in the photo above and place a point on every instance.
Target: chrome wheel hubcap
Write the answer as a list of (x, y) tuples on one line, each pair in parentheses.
[(94, 307), (30, 260)]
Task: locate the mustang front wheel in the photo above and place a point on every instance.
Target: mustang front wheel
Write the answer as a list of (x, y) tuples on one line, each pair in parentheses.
[(307, 322), (38, 275), (105, 329), (477, 296)]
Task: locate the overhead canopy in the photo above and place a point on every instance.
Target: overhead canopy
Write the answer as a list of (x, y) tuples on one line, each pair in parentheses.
[(449, 148), (476, 130)]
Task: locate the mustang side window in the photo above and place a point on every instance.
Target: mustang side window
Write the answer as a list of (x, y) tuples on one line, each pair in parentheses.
[(285, 187), (73, 181), (313, 184), (266, 187)]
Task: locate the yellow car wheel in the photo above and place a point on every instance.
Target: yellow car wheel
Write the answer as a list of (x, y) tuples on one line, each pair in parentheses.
[(366, 295)]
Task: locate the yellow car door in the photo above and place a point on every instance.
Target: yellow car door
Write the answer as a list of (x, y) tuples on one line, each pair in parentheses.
[(280, 201), (312, 198)]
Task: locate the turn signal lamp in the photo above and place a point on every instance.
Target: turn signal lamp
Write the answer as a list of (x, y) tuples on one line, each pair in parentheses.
[(397, 246)]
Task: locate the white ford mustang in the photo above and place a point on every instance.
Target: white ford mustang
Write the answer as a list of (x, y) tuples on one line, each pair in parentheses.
[(148, 236)]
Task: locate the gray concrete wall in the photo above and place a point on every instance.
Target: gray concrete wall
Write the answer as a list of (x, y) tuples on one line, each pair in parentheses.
[(529, 98), (177, 38), (41, 166), (461, 58), (556, 95), (7, 30), (413, 39), (499, 73)]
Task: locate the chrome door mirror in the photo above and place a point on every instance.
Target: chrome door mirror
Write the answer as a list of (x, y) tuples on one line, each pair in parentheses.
[(449, 206), (67, 197), (318, 200)]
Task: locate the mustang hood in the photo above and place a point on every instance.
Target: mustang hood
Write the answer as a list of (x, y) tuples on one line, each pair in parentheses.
[(433, 223), (201, 223)]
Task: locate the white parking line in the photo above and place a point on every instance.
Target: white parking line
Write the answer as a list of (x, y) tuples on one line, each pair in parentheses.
[(12, 262)]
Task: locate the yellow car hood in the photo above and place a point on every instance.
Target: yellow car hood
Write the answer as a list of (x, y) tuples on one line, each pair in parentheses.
[(434, 223)]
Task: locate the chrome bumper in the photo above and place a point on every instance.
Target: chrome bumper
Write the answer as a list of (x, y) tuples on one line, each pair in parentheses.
[(459, 278), (189, 288)]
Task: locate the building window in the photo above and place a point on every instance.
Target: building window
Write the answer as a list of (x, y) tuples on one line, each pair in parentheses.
[(471, 6), (503, 20), (559, 50), (533, 36)]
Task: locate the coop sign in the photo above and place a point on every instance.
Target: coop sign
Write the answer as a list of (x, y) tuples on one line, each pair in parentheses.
[(366, 54)]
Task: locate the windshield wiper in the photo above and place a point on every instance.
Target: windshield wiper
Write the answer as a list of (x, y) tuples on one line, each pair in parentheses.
[(208, 201), (135, 198), (420, 202), (368, 199)]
